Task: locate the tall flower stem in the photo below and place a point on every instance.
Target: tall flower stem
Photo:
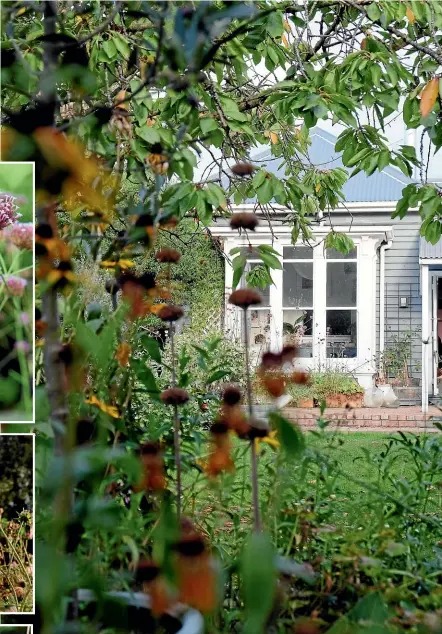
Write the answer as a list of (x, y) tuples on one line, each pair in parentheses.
[(176, 431), (253, 456)]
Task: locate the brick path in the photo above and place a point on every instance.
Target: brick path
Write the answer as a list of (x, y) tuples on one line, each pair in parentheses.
[(369, 418)]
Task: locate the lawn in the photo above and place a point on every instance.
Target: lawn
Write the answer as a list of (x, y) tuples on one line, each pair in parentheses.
[(343, 479)]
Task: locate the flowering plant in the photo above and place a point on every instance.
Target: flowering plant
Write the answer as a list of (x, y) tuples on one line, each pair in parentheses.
[(16, 246)]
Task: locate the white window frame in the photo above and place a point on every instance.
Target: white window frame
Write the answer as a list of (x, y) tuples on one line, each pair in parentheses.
[(367, 240)]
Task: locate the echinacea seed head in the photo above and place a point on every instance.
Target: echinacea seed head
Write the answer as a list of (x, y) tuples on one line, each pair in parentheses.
[(271, 361), (150, 449), (231, 395), (191, 546), (243, 169), (146, 571), (170, 313), (219, 428), (174, 396), (245, 297), (168, 255), (112, 286), (288, 353), (246, 220)]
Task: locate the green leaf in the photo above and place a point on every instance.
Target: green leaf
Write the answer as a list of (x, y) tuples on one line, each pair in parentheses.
[(208, 124), (289, 435), (258, 574), (149, 134), (339, 241), (122, 45), (265, 192), (146, 378), (110, 49), (275, 25), (216, 376), (152, 347)]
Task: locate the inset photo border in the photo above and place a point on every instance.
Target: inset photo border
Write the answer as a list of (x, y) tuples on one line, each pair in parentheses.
[(16, 629), (17, 523), (17, 292)]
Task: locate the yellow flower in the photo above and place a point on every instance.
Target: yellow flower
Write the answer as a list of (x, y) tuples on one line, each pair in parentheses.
[(269, 440), (123, 264), (111, 410)]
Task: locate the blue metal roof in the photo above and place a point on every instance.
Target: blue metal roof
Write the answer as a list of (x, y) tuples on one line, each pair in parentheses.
[(380, 186)]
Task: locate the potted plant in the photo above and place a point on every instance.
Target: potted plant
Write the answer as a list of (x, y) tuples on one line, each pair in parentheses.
[(293, 333), (337, 389), (302, 396)]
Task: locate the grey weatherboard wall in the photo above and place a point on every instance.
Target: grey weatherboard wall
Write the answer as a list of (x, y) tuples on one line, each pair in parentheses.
[(402, 271)]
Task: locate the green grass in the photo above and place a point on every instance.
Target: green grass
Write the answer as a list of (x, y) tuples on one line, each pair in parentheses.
[(350, 492)]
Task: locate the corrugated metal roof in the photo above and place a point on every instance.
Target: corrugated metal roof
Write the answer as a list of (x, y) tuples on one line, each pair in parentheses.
[(380, 186), (430, 251)]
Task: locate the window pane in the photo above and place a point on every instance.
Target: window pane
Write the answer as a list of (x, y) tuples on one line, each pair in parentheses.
[(297, 284), (259, 330), (332, 254), (298, 253), (298, 330), (265, 293), (341, 334), (341, 284)]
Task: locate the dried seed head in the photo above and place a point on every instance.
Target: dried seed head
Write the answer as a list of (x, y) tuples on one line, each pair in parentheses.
[(219, 428), (256, 429), (243, 169), (170, 313), (146, 571), (288, 353), (174, 396), (275, 385), (191, 546), (44, 231), (168, 255), (244, 220), (271, 361), (245, 297), (231, 395), (300, 378), (150, 449), (112, 286)]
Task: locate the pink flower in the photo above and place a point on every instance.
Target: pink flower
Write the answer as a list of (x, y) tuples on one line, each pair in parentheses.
[(8, 210), (22, 346), (21, 234), (16, 285), (24, 319)]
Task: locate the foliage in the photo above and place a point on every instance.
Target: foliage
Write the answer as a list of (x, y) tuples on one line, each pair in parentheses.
[(394, 361), (17, 467), (16, 311), (325, 383), (16, 564), (104, 94)]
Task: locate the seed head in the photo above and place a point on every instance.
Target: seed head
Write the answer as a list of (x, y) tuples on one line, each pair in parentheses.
[(168, 255), (243, 169), (245, 297), (170, 313), (244, 220), (174, 396)]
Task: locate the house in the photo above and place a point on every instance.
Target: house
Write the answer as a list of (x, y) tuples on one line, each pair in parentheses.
[(352, 307)]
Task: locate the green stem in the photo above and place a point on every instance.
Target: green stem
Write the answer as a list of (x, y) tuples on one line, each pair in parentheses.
[(253, 456)]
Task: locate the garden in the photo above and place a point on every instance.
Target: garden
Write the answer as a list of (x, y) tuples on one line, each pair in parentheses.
[(16, 291), (16, 523), (166, 501)]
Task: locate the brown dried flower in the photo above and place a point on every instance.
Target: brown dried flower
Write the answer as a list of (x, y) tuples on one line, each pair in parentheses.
[(245, 297), (243, 169), (170, 312), (168, 255), (231, 395), (245, 220), (174, 396)]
